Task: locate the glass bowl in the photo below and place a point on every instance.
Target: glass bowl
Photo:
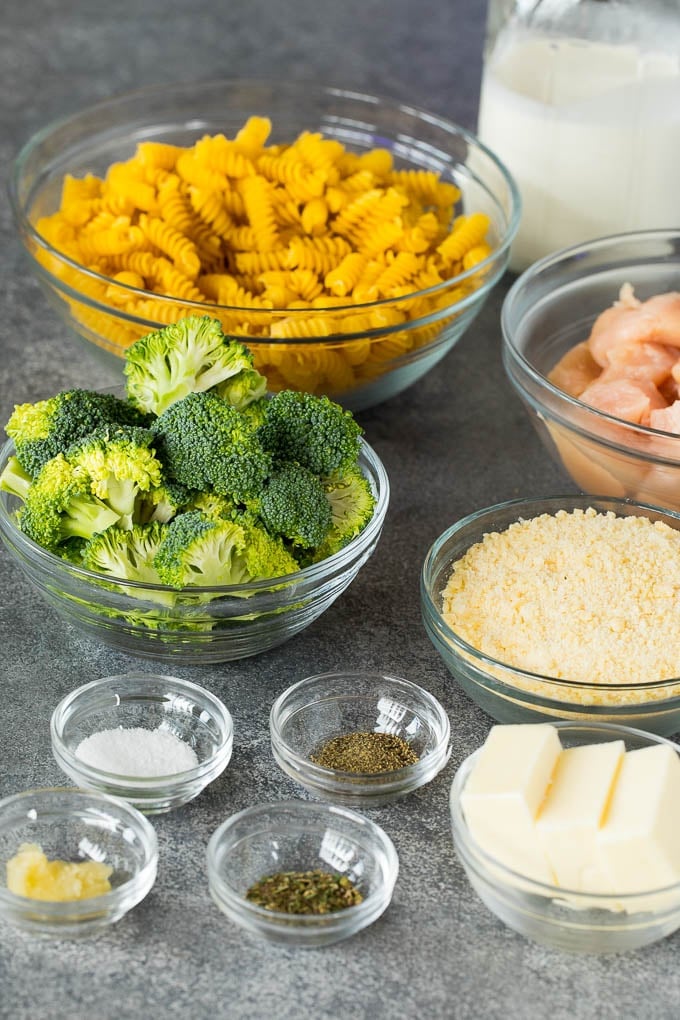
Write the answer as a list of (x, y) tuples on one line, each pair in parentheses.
[(77, 825), (151, 702), (195, 624), (300, 836), (511, 695), (571, 921), (361, 351), (323, 707), (549, 309)]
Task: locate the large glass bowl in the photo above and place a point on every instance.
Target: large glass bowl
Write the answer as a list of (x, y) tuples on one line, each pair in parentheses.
[(551, 308), (358, 363), (196, 624), (512, 695)]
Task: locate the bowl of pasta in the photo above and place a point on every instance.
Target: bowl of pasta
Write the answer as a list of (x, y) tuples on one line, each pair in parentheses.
[(348, 240)]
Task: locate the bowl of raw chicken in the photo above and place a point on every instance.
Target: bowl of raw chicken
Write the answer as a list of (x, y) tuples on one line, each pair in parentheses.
[(591, 343)]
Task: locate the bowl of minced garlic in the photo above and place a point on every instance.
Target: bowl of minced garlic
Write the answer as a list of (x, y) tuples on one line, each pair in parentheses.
[(72, 861), (566, 606)]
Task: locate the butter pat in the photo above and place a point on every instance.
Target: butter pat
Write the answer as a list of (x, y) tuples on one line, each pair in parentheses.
[(568, 824), (505, 791), (639, 843)]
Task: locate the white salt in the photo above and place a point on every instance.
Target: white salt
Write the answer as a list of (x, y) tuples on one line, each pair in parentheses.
[(137, 752)]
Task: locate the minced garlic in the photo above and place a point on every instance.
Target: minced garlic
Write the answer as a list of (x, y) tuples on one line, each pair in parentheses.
[(31, 874), (581, 596)]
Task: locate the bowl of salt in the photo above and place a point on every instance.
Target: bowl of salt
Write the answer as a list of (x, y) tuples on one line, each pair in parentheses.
[(156, 741)]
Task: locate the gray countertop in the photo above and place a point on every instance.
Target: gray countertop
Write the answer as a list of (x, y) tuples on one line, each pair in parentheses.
[(455, 442)]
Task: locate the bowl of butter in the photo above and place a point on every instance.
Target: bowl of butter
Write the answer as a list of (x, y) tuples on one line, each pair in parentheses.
[(570, 833)]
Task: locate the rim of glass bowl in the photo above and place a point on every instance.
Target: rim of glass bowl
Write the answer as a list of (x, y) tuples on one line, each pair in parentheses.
[(137, 885), (317, 572), (121, 781), (508, 876), (330, 779), (481, 659), (572, 409), (370, 101), (370, 908)]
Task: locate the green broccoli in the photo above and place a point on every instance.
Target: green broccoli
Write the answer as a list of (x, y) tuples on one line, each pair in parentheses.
[(204, 551), (212, 504), (243, 389), (207, 445), (42, 430), (352, 504), (312, 430), (122, 465), (163, 502), (126, 554), (293, 504), (188, 356), (60, 505), (15, 479)]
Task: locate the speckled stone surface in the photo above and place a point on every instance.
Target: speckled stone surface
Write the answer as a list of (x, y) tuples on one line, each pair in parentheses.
[(455, 442)]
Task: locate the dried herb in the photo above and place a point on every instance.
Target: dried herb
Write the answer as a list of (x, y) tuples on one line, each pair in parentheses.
[(304, 892), (365, 752)]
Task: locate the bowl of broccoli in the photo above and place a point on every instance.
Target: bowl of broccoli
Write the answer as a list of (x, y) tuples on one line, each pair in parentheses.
[(190, 516)]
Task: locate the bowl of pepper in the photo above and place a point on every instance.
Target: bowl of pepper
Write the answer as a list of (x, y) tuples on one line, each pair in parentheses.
[(156, 741), (359, 738), (301, 873)]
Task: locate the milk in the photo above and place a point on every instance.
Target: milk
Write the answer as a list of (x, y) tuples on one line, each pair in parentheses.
[(591, 133)]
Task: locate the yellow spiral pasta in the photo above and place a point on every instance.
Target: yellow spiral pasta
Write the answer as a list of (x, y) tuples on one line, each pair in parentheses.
[(257, 230)]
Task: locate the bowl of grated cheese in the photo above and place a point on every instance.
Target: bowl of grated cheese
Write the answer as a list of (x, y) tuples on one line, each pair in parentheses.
[(566, 607), (348, 240)]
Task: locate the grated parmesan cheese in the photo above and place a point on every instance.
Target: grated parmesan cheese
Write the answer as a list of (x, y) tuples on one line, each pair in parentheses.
[(580, 596)]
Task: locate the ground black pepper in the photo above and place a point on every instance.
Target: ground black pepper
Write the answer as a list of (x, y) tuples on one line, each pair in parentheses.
[(365, 752), (304, 892)]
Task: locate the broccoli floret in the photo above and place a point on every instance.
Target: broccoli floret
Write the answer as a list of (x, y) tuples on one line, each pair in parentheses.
[(254, 414), (265, 555), (352, 504), (122, 464), (207, 445), (212, 504), (42, 430), (312, 430), (188, 356), (243, 389), (293, 504), (163, 502), (200, 550), (15, 479), (126, 554), (60, 505), (205, 551)]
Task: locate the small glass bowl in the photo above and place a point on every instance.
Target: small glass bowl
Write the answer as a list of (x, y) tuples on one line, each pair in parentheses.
[(512, 695), (148, 701), (77, 825), (572, 921), (322, 707), (300, 836), (549, 310)]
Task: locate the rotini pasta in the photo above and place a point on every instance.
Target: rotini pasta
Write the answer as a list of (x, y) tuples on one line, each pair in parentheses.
[(271, 234)]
